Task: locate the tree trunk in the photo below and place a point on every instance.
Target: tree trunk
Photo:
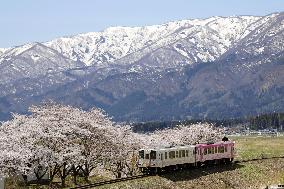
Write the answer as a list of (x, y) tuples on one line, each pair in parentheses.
[(53, 171), (40, 174), (75, 179), (86, 171), (63, 182), (75, 171), (119, 174), (64, 174), (25, 177)]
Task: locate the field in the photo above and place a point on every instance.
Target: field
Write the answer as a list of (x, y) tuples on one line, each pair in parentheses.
[(255, 174), (249, 147)]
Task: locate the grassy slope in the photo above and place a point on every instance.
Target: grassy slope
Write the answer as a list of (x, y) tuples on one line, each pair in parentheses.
[(249, 175)]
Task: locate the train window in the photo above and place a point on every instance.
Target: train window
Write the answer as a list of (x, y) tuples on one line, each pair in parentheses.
[(216, 150), (166, 155), (221, 149), (183, 153), (172, 154), (225, 148), (212, 150), (141, 154), (180, 153), (147, 156), (209, 150), (186, 153), (153, 154), (176, 154), (205, 151)]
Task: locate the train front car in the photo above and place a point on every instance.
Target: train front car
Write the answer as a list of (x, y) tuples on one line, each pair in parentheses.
[(172, 158), (216, 153), (148, 161)]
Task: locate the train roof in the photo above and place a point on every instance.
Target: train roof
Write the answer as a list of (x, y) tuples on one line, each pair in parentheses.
[(170, 147), (216, 143), (188, 146)]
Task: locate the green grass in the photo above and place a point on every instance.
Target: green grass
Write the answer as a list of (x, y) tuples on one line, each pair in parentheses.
[(251, 171), (250, 147)]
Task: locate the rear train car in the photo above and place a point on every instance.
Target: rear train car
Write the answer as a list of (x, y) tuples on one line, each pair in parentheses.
[(216, 153)]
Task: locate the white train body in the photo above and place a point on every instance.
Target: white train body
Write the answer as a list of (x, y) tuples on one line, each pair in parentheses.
[(166, 156), (184, 156)]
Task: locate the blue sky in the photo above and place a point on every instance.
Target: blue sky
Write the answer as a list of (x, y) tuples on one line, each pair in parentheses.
[(25, 21)]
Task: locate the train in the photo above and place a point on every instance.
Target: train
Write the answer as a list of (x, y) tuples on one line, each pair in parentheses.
[(157, 160)]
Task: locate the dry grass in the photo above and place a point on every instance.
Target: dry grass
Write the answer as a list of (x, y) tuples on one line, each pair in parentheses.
[(249, 147)]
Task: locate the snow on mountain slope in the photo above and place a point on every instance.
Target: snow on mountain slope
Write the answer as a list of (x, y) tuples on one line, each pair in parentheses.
[(2, 50), (8, 53), (109, 45), (31, 61), (262, 45), (117, 42), (192, 44), (169, 45)]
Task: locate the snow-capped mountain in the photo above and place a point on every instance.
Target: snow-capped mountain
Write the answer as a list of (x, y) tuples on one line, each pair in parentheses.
[(217, 67), (117, 42), (196, 40)]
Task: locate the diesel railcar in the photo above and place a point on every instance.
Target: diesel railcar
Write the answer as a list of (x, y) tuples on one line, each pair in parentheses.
[(159, 159)]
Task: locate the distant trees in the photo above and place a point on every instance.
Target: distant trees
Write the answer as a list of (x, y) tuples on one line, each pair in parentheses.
[(262, 121), (267, 121)]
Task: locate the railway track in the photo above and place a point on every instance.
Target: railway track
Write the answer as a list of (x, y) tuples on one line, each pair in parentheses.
[(111, 181), (147, 175), (257, 159)]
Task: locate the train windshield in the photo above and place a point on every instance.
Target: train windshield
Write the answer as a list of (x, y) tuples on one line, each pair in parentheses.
[(141, 154), (153, 154)]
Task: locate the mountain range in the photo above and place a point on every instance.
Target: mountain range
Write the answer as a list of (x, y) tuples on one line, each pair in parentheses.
[(217, 68)]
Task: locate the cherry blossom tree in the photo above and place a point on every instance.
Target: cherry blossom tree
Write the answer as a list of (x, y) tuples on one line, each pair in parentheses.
[(124, 145), (182, 135), (46, 138), (17, 147)]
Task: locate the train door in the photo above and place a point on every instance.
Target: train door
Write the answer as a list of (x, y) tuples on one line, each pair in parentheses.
[(147, 159), (196, 155)]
